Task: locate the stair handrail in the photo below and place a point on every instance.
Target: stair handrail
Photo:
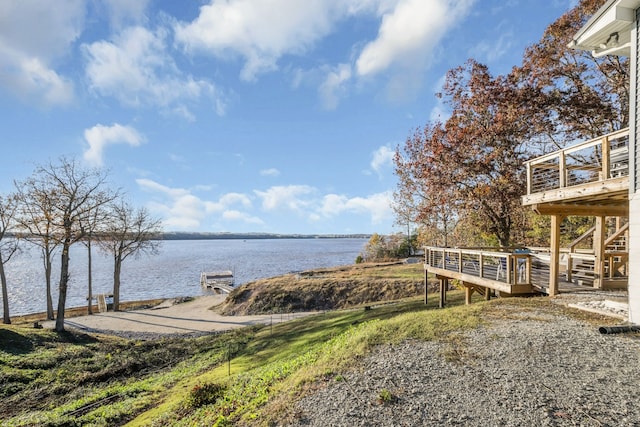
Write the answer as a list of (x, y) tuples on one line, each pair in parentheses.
[(589, 232), (572, 250), (617, 234)]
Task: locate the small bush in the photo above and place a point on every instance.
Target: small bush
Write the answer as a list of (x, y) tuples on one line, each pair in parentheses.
[(385, 396), (204, 394)]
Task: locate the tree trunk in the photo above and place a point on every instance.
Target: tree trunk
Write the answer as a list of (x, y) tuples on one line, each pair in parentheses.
[(90, 290), (116, 282), (64, 280), (47, 273), (5, 295)]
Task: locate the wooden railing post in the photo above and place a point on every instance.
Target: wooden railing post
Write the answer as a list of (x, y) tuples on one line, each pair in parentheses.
[(562, 170), (606, 158)]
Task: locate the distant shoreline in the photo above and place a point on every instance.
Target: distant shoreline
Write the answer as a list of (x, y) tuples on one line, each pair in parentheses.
[(180, 235)]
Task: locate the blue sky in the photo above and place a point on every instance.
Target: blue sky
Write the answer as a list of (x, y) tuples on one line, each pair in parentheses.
[(276, 116)]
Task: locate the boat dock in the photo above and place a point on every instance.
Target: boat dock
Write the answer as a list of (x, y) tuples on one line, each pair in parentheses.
[(219, 281)]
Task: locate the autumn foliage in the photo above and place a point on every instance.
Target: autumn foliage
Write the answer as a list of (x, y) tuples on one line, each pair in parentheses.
[(468, 170)]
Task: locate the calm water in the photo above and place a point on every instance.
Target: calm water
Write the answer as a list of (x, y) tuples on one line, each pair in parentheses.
[(175, 271)]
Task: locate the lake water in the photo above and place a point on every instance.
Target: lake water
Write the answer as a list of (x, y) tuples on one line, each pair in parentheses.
[(175, 271)]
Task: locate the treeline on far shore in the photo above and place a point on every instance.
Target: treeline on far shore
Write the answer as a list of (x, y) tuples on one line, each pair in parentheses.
[(179, 235)]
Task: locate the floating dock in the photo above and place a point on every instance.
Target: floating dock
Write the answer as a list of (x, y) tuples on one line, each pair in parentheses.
[(221, 281)]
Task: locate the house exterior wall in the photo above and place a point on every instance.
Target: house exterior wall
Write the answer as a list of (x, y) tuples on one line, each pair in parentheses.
[(634, 179)]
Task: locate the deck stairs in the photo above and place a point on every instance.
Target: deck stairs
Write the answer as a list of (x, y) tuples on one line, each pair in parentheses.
[(582, 272)]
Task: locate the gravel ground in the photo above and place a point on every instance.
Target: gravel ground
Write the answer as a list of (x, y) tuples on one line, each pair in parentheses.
[(530, 369)]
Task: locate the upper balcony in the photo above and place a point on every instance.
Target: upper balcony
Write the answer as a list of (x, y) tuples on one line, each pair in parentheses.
[(590, 178)]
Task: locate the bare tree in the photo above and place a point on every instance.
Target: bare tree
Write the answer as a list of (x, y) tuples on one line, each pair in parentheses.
[(128, 232), (8, 247), (35, 219), (74, 193)]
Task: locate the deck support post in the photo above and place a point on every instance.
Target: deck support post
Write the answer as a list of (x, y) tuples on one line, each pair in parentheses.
[(426, 285), (599, 237), (468, 291), (487, 294), (554, 267), (444, 284)]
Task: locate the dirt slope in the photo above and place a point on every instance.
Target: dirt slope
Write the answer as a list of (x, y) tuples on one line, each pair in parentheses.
[(326, 289)]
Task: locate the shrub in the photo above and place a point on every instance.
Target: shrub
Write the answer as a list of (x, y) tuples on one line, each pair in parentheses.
[(204, 394)]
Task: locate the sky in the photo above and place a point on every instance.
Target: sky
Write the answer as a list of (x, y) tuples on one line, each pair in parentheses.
[(270, 116)]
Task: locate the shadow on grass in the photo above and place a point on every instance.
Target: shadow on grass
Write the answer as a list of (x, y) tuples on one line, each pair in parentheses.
[(18, 340), (14, 343)]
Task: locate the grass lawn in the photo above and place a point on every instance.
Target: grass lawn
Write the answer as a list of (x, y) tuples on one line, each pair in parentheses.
[(247, 377)]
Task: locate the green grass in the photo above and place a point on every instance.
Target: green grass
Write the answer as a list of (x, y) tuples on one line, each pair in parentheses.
[(274, 368), (72, 379)]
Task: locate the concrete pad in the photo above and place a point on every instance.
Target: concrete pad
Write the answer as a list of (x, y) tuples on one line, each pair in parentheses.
[(189, 317)]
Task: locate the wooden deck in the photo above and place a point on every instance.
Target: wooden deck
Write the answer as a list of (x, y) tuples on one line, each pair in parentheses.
[(590, 178), (586, 179), (486, 271), (504, 272)]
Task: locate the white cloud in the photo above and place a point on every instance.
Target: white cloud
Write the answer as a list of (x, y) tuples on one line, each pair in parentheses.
[(136, 69), (99, 136), (241, 217), (382, 158), (409, 32), (235, 199), (259, 32), (126, 12), (440, 112), (292, 197), (33, 36), (182, 210), (493, 50), (270, 172), (333, 87), (377, 206)]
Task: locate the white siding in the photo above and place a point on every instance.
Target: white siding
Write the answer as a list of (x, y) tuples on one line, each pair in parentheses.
[(634, 195)]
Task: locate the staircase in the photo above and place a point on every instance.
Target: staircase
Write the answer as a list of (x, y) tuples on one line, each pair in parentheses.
[(582, 271)]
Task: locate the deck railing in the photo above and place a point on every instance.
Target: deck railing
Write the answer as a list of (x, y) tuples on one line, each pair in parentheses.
[(599, 159), (513, 268)]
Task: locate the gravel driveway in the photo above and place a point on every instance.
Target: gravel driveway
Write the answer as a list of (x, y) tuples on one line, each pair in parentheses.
[(528, 369)]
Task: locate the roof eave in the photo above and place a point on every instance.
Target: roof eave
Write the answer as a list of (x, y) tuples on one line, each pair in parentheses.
[(609, 29)]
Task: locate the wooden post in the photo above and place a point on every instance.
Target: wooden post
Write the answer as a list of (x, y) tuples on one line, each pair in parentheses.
[(487, 294), (426, 284), (599, 238), (468, 291), (554, 266), (606, 159), (443, 282), (562, 173)]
